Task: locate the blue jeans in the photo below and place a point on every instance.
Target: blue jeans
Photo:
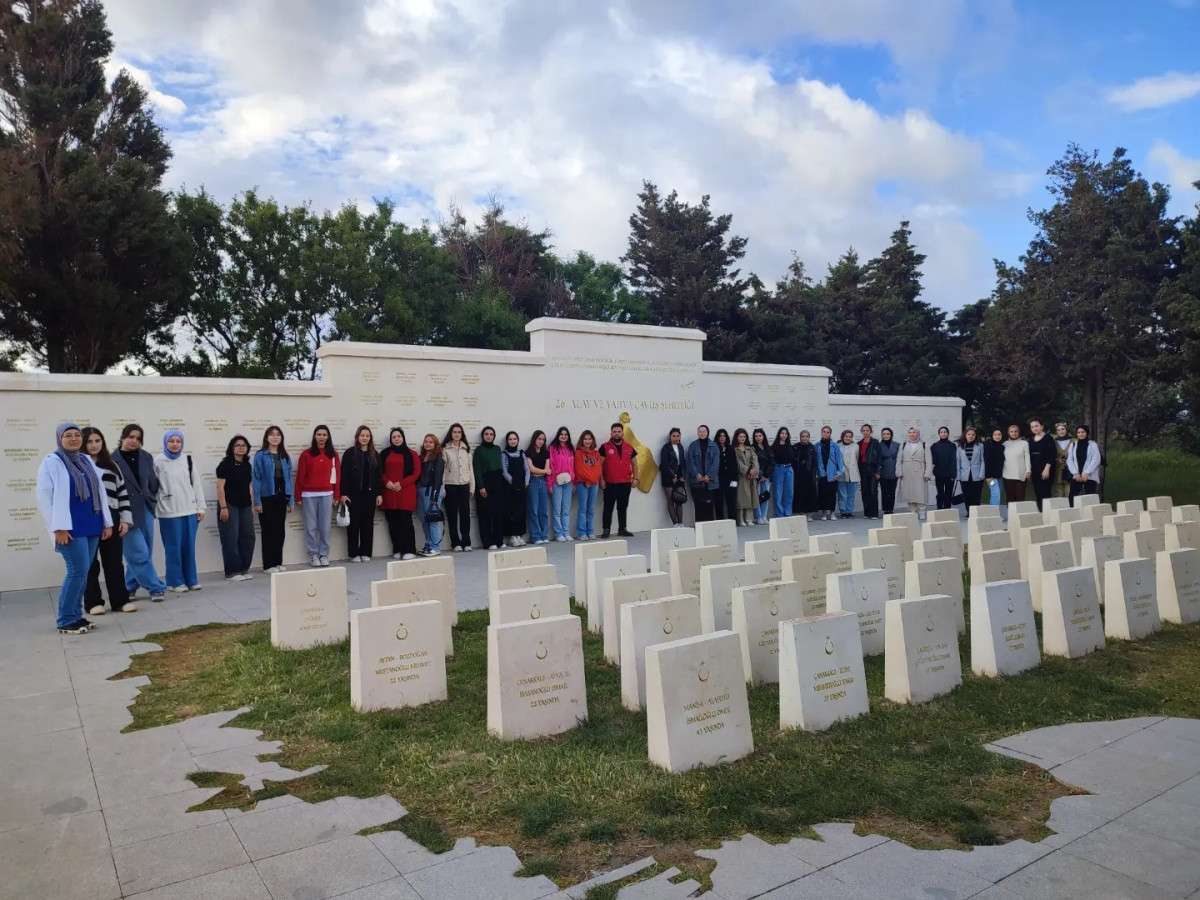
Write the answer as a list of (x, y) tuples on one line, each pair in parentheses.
[(179, 548), (781, 487), (846, 492), (77, 557), (433, 530), (560, 503), (585, 517), (762, 510), (538, 507), (318, 520), (138, 547)]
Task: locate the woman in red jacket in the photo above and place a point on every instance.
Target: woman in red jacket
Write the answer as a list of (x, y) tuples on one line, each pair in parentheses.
[(318, 487), (401, 469)]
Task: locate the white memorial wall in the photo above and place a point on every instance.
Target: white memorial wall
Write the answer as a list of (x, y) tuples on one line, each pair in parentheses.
[(575, 373)]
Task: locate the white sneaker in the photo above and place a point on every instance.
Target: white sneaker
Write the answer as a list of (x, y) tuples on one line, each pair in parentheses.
[(314, 560), (467, 548), (435, 552), (129, 607), (493, 546), (245, 576), (96, 611), (568, 538), (178, 589), (407, 556), (324, 561), (397, 556), (195, 587)]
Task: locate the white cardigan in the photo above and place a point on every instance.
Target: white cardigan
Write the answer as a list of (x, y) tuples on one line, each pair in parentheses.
[(1016, 460), (54, 493), (1091, 463), (178, 494)]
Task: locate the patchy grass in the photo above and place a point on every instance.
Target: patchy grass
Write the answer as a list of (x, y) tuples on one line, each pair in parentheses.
[(1136, 474), (590, 799)]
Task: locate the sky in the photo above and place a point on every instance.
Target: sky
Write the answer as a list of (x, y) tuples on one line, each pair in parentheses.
[(818, 126)]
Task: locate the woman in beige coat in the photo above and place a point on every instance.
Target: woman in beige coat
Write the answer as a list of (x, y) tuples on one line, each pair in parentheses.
[(747, 463), (915, 471)]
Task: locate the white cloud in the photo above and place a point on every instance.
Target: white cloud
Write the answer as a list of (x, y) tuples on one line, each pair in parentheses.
[(1155, 91), (169, 106), (561, 110), (1181, 173)]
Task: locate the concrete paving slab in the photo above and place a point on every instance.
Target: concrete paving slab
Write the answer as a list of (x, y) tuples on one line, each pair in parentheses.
[(149, 778), (1118, 775), (820, 886), (178, 857), (838, 841), (1061, 876), (325, 870), (1187, 729), (43, 776), (32, 860), (660, 887), (142, 820), (579, 891), (408, 856), (38, 714), (1188, 792), (1057, 744), (897, 871), (294, 826), (1142, 856), (1179, 822), (392, 889), (486, 872), (749, 866), (239, 883)]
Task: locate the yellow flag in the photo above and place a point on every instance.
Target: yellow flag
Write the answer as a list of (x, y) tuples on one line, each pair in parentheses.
[(646, 469)]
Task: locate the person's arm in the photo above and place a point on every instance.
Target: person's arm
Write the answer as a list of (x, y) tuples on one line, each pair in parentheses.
[(255, 487), (222, 506), (1025, 460), (1091, 465), (301, 465)]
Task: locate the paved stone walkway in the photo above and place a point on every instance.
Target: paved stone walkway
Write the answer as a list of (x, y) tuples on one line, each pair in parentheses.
[(87, 812)]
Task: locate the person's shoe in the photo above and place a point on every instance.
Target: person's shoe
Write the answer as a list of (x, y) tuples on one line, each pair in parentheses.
[(493, 547), (157, 598), (245, 576), (435, 552), (195, 587), (603, 535), (624, 533), (467, 548), (323, 561), (80, 627), (96, 611), (314, 560), (407, 556), (178, 589), (129, 607)]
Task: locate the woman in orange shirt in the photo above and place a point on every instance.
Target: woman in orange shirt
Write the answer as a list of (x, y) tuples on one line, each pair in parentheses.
[(587, 484)]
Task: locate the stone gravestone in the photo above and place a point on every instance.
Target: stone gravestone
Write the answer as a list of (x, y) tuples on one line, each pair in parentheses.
[(809, 570), (984, 511), (768, 556), (397, 656), (1097, 512), (930, 577), (1131, 607), (790, 528), (623, 589), (865, 594), (985, 525), (1130, 507), (839, 543), (308, 607), (1178, 585), (531, 604), (1003, 634), (822, 679), (1028, 538), (1075, 532), (1145, 543), (908, 520), (997, 565), (686, 564), (417, 590), (1096, 551), (920, 659), (593, 550), (1189, 512), (719, 533), (1083, 501), (1119, 524), (898, 536), (663, 541), (1155, 503), (1154, 518), (933, 530), (1181, 536), (697, 712), (757, 612), (985, 543), (535, 681), (887, 558), (644, 624), (1063, 516), (1021, 521), (717, 584), (1055, 503), (428, 565), (514, 579), (1049, 556), (1020, 508), (515, 558), (1071, 624), (942, 516), (598, 573), (932, 548)]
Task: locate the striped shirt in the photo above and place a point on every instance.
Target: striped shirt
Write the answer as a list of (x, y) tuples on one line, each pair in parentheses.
[(118, 496)]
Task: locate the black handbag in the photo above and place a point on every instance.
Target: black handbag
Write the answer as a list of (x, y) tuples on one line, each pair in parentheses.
[(434, 513), (765, 494), (679, 493)]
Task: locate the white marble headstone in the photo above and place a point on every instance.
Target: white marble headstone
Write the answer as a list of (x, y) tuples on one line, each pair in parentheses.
[(790, 528), (928, 577), (1096, 551), (1075, 532), (1181, 536), (1119, 524), (686, 564), (1039, 534), (521, 577), (1131, 599), (932, 548), (397, 656), (719, 533), (308, 607), (1130, 507), (1178, 585), (897, 535), (1146, 543), (865, 594), (1003, 634), (697, 712), (1051, 504), (908, 520), (1159, 503), (1071, 623), (1020, 508), (933, 530), (1189, 512), (585, 550), (822, 679), (516, 557), (809, 570), (757, 612), (839, 543), (984, 511), (887, 558), (1082, 501), (986, 542), (644, 624), (535, 681), (1021, 521), (624, 589), (663, 541), (997, 565), (1064, 516), (920, 660), (1048, 556), (1154, 518), (531, 604), (717, 584), (768, 556), (598, 572), (942, 516), (440, 588), (427, 565)]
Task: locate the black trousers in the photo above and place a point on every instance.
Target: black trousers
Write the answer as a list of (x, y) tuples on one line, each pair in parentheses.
[(870, 496), (887, 489), (729, 502), (108, 556), (515, 508), (972, 492), (1082, 487), (826, 495), (489, 510), (674, 510), (804, 491), (706, 508), (400, 528), (237, 540), (945, 492), (616, 496), (271, 522), (458, 514), (360, 535), (1042, 487)]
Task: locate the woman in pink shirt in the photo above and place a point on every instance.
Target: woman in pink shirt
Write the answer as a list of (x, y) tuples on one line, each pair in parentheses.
[(562, 476)]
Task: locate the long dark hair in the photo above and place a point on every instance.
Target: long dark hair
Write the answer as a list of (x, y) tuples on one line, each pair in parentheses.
[(130, 429), (314, 450), (779, 437), (370, 451), (229, 447), (717, 437), (561, 429), (587, 433), (283, 454), (450, 431), (533, 440), (103, 459), (754, 438)]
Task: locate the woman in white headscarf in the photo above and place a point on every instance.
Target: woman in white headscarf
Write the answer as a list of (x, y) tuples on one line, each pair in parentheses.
[(915, 471)]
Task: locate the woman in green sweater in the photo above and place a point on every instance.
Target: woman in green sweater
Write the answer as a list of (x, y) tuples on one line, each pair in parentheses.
[(489, 490)]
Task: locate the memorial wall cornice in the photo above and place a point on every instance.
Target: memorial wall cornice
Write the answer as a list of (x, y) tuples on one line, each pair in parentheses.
[(584, 326), (751, 368), (893, 400), (153, 384), (364, 349)]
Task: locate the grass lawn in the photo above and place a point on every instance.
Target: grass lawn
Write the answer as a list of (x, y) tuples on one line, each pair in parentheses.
[(590, 799), (1136, 474)]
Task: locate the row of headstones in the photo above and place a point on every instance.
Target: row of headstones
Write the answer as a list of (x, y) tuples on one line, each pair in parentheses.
[(394, 645)]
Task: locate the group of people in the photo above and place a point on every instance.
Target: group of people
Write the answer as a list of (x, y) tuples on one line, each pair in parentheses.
[(101, 506)]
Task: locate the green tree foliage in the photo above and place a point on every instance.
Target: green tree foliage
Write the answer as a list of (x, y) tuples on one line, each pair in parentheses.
[(1081, 311), (93, 256), (1179, 301), (599, 292)]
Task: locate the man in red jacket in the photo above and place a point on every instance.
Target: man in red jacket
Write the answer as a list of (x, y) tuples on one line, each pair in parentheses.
[(616, 479)]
